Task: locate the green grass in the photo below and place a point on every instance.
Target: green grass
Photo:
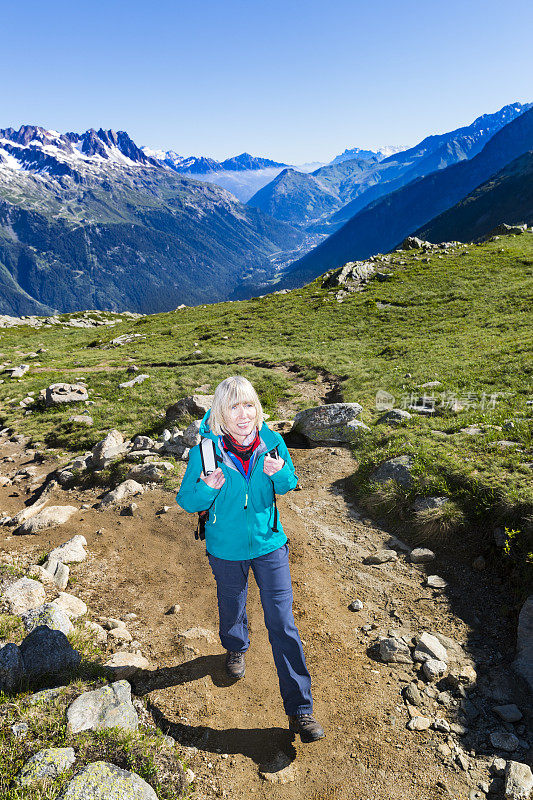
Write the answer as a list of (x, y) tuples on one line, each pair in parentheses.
[(463, 319), (145, 752)]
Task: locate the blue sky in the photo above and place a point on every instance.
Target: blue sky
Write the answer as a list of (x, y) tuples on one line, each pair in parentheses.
[(291, 80)]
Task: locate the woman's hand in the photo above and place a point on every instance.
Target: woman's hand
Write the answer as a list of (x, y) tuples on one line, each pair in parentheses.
[(215, 480), (272, 465)]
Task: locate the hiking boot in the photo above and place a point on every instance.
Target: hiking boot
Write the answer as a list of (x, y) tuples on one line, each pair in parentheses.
[(235, 665), (307, 726)]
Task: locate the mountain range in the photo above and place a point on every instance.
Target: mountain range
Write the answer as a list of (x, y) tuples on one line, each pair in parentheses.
[(91, 221), (384, 223), (323, 205)]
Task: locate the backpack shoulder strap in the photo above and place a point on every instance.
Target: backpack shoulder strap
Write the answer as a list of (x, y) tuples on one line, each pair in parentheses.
[(208, 455)]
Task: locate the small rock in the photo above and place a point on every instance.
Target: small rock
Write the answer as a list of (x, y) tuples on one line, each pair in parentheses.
[(71, 551), (356, 605), (124, 490), (175, 609), (381, 557), (109, 707), (108, 449), (98, 632), (138, 379), (393, 650), (199, 633), (120, 635), (23, 595), (457, 728), (20, 729), (48, 763), (81, 419), (125, 665), (518, 781), (434, 669), (428, 646), (421, 555), (440, 724), (71, 605), (398, 469), (48, 614), (508, 713), (498, 767), (280, 770), (479, 564), (47, 518), (130, 510), (436, 582), (464, 675), (58, 571), (412, 695), (44, 696), (102, 780), (110, 622), (419, 724), (502, 740)]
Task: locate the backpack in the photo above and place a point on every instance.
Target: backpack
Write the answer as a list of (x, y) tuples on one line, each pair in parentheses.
[(210, 459)]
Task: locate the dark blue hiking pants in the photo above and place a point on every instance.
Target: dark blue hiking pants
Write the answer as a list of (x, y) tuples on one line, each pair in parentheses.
[(273, 578)]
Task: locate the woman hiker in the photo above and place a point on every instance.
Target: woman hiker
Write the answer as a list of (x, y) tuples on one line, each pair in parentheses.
[(243, 531)]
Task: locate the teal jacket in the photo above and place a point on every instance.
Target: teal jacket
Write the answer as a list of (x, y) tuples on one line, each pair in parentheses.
[(241, 512)]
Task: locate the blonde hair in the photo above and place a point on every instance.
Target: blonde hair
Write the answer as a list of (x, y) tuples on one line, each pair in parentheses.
[(230, 391)]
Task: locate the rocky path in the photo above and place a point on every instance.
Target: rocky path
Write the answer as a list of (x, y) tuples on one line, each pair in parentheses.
[(143, 564)]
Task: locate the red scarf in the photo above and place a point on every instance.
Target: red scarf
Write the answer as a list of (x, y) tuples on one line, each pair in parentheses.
[(243, 452)]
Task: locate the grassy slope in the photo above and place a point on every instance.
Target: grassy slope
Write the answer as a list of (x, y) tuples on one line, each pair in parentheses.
[(463, 318)]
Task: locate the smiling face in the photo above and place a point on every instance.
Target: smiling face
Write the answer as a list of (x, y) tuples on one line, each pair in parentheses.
[(239, 420)]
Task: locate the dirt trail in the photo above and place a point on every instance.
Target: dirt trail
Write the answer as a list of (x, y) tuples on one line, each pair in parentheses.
[(146, 563)]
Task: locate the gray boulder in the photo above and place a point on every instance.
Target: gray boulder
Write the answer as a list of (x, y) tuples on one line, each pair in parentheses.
[(71, 551), (127, 488), (518, 781), (195, 406), (412, 243), (503, 740), (48, 763), (58, 571), (397, 469), (143, 443), (102, 781), (381, 557), (11, 667), (396, 416), (46, 652), (393, 650), (58, 393), (429, 647), (47, 518), (108, 449), (23, 595), (109, 707), (425, 503), (133, 381), (191, 434), (150, 472), (327, 424), (523, 664), (50, 615), (71, 605)]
